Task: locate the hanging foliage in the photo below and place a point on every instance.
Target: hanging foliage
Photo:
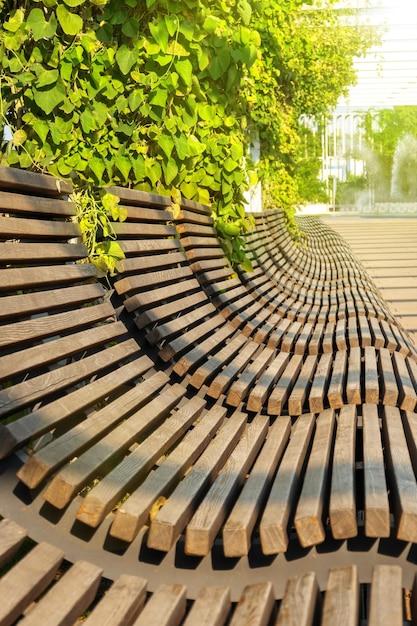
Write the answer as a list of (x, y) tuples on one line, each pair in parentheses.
[(163, 96)]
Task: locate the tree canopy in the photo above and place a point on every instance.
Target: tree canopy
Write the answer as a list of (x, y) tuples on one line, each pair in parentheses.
[(166, 96)]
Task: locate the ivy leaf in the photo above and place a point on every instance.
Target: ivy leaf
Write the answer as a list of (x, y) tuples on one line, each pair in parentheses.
[(138, 164), (131, 27), (126, 58), (219, 63), (124, 165), (45, 78), (15, 41), (41, 128), (41, 29), (171, 22), (189, 190), (159, 97), (211, 24), (63, 168), (153, 171), (16, 20), (170, 169), (181, 145), (177, 50), (48, 99), (105, 33), (135, 99), (87, 120), (160, 33), (114, 250), (100, 113), (167, 144), (245, 11), (70, 23), (19, 137), (185, 70), (97, 166)]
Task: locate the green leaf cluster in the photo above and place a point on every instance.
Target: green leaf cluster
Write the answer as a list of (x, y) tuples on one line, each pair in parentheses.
[(96, 211), (164, 96)]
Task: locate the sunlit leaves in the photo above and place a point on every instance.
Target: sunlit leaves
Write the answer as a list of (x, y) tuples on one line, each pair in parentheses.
[(125, 92), (41, 28), (71, 23)]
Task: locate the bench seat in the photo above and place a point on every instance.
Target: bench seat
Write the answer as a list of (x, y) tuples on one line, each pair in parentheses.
[(193, 423), (41, 588)]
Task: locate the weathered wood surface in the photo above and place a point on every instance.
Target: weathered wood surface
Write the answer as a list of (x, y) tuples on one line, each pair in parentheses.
[(201, 409), (38, 588)]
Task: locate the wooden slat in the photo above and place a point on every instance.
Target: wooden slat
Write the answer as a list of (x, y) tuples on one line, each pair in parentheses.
[(209, 517), (29, 359), (27, 580), (301, 602), (32, 182), (342, 509), (320, 383), (175, 514), (51, 415), (134, 512), (210, 608), (389, 385), (354, 377), (103, 454), (158, 314), (144, 280), (241, 522), (12, 202), (205, 372), (42, 327), (301, 388), (401, 474), (274, 523), (408, 397), (12, 252), (336, 391), (282, 389), (341, 600), (11, 538), (308, 518), (14, 278), (386, 606), (68, 598), (260, 392), (22, 228), (255, 606), (84, 435), (121, 604), (377, 521), (226, 377), (64, 297), (175, 326), (166, 607), (241, 387), (126, 476), (204, 348), (57, 380)]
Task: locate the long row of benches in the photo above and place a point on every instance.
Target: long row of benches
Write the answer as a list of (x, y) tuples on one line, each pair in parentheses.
[(198, 424)]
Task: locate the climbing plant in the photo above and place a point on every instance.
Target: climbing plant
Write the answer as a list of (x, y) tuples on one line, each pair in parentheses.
[(162, 96)]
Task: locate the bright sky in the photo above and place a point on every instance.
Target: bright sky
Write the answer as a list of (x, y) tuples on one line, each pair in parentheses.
[(388, 74)]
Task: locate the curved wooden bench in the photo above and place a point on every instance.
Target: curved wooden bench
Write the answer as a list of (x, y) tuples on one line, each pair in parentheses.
[(189, 423), (41, 588)]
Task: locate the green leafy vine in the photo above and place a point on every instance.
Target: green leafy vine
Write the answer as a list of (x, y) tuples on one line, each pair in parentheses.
[(96, 211)]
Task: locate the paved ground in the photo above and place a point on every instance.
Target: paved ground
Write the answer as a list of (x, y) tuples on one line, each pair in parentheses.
[(387, 247)]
